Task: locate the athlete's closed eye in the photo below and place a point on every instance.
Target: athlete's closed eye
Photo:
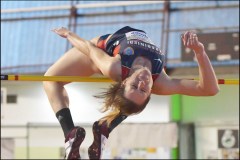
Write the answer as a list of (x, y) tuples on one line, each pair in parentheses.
[(143, 90), (134, 86)]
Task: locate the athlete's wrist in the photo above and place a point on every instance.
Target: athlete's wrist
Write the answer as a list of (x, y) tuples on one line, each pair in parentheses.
[(68, 34)]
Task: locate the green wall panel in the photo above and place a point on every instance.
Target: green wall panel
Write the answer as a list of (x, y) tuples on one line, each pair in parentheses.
[(175, 108), (222, 107)]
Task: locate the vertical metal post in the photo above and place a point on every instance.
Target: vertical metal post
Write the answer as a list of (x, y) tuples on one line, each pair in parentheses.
[(72, 21), (166, 28), (163, 28)]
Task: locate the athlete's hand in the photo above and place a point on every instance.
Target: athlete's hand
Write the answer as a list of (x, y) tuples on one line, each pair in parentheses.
[(190, 40), (63, 32)]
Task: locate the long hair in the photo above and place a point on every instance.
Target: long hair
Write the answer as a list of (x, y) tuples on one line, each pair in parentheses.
[(116, 103)]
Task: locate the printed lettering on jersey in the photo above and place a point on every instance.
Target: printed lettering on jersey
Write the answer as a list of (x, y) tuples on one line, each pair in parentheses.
[(128, 51), (144, 45), (139, 36)]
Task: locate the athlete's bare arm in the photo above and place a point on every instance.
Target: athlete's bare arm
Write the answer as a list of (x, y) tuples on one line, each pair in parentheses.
[(207, 84), (109, 66)]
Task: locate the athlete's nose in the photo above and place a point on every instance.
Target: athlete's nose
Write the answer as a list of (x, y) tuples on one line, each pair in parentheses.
[(144, 78), (141, 84)]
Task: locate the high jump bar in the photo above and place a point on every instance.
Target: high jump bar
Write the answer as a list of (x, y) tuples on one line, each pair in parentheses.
[(82, 79)]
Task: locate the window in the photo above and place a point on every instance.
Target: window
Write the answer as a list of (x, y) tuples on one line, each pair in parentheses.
[(11, 98)]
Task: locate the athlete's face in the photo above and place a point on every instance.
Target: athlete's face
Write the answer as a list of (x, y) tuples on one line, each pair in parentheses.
[(138, 86)]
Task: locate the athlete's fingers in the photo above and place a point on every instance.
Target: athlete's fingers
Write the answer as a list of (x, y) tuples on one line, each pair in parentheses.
[(195, 39)]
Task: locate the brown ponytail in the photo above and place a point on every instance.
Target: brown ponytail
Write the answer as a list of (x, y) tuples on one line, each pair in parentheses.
[(115, 103)]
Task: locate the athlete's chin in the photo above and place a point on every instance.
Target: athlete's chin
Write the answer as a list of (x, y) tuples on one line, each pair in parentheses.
[(145, 72)]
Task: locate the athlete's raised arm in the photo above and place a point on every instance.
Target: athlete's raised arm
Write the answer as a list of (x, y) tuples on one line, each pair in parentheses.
[(207, 84), (109, 66)]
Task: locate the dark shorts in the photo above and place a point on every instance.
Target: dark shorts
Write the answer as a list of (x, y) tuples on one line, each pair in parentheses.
[(102, 41)]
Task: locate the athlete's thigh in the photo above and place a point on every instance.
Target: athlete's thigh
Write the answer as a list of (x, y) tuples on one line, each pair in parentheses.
[(73, 63)]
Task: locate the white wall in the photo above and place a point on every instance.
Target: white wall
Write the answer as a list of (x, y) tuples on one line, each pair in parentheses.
[(33, 106)]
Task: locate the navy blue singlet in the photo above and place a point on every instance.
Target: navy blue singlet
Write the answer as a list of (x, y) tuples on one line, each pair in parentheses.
[(130, 43)]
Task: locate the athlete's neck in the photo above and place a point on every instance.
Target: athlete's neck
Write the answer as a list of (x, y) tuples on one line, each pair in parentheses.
[(141, 62)]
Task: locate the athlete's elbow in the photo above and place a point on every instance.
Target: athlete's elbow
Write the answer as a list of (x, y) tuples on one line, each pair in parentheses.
[(217, 89), (208, 90), (212, 91)]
